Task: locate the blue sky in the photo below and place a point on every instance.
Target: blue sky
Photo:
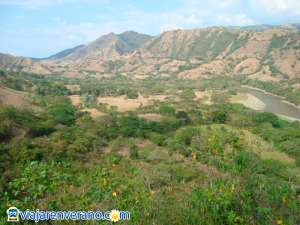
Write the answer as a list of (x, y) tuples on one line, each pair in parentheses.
[(40, 28)]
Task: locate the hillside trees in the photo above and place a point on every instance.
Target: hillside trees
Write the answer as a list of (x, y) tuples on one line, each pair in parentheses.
[(266, 117)]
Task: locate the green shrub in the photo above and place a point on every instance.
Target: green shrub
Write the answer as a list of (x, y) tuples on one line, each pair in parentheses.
[(266, 117), (132, 95), (219, 116), (134, 154), (232, 92), (165, 110), (188, 94), (223, 129), (144, 154), (273, 167), (158, 139), (256, 130)]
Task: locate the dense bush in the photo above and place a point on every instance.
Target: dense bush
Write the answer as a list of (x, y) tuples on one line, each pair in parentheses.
[(266, 117), (132, 95)]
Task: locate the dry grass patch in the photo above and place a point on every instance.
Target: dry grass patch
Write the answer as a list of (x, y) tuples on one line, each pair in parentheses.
[(151, 117), (75, 99), (94, 112), (239, 97), (18, 99)]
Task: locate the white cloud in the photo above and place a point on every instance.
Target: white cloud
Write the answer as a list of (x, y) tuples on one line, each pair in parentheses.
[(166, 27), (291, 7), (192, 19), (238, 19), (224, 18), (72, 37), (62, 23), (242, 19)]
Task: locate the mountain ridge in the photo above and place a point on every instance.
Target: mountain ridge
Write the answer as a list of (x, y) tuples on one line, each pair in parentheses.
[(270, 55), (58, 55), (122, 43)]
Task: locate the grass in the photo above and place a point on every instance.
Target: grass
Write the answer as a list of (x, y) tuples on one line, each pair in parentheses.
[(239, 97)]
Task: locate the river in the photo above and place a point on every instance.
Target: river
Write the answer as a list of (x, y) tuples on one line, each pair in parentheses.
[(274, 104), (88, 99)]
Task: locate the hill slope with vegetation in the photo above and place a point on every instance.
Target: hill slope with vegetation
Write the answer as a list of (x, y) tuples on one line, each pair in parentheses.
[(233, 164)]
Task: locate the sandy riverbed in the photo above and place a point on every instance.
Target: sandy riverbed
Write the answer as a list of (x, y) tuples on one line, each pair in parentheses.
[(253, 103), (283, 99), (256, 104)]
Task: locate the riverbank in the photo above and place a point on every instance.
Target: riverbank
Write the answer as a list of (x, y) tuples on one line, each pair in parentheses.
[(285, 101), (253, 103), (288, 118)]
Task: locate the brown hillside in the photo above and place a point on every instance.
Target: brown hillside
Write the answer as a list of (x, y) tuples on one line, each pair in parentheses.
[(191, 54), (9, 62), (18, 99)]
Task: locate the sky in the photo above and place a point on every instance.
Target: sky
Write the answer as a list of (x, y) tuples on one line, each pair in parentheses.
[(40, 28)]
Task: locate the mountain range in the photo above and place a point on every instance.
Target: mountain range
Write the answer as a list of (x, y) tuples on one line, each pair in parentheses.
[(118, 44), (272, 54)]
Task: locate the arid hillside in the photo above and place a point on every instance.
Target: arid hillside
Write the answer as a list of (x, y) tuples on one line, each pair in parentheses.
[(18, 99), (108, 46), (273, 54), (9, 62)]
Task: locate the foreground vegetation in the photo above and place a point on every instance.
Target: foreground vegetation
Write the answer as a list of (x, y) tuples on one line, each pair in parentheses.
[(201, 164)]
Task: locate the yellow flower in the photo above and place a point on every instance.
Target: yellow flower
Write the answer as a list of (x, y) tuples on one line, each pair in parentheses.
[(194, 155), (136, 202), (114, 194), (150, 197), (152, 192), (209, 139), (232, 189), (279, 222), (9, 205), (114, 165), (217, 151), (283, 199), (147, 214)]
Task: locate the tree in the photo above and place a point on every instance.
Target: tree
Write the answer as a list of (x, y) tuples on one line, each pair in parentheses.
[(132, 95), (129, 121), (266, 117), (164, 110), (63, 113), (188, 94), (219, 116)]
